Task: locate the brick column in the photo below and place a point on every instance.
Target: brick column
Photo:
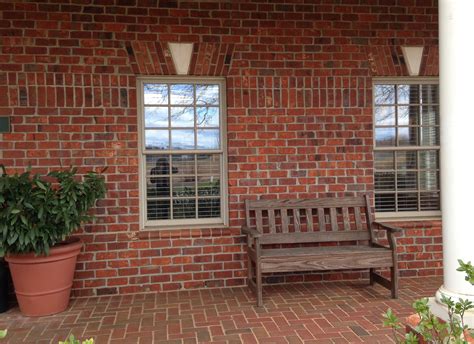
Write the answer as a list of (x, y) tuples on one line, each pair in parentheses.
[(456, 30)]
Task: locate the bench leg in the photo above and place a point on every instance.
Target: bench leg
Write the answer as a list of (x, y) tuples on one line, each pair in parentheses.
[(394, 282), (371, 276), (259, 285), (250, 272)]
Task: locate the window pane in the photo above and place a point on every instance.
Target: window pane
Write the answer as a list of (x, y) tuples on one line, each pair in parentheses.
[(184, 208), (158, 209), (155, 94), (407, 202), (385, 181), (408, 115), (384, 94), (408, 94), (208, 164), (183, 164), (429, 136), (207, 116), (209, 186), (182, 117), (385, 137), (408, 136), (156, 117), (384, 161), (184, 186), (429, 115), (407, 180), (429, 201), (429, 160), (157, 139), (209, 207), (429, 94), (385, 202), (406, 160), (207, 94), (208, 139), (385, 115), (182, 94), (429, 180), (182, 139)]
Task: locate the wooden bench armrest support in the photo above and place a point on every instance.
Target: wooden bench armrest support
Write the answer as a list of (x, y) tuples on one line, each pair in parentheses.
[(252, 232), (391, 229)]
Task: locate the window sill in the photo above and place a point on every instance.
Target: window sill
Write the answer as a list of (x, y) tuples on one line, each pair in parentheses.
[(151, 232), (408, 217)]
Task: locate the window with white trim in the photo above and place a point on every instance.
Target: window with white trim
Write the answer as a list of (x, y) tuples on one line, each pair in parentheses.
[(406, 148), (183, 156)]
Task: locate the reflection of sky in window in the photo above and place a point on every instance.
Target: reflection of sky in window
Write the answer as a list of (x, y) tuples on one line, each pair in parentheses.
[(182, 94), (156, 139), (207, 116), (182, 116), (408, 94), (385, 115), (384, 94), (207, 94), (156, 94), (182, 139), (208, 139), (385, 136), (156, 117)]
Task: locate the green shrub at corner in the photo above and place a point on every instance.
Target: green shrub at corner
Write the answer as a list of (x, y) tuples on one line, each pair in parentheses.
[(37, 212)]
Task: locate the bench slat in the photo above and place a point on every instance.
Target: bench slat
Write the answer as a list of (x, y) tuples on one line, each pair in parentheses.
[(258, 217), (306, 237), (284, 220), (358, 220), (296, 220), (332, 212), (321, 219), (309, 219), (345, 215), (271, 220)]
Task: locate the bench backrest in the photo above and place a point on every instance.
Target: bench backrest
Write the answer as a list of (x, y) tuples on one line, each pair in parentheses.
[(310, 220)]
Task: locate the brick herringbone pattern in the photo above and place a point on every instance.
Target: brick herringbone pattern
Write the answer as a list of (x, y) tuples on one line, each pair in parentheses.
[(294, 313)]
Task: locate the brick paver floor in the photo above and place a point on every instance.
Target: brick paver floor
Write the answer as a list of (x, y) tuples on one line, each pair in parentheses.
[(330, 312)]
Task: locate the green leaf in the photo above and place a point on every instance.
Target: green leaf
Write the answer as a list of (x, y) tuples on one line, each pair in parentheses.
[(3, 333)]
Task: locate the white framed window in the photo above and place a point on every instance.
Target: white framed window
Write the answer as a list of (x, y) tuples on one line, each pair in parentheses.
[(183, 161), (406, 148)]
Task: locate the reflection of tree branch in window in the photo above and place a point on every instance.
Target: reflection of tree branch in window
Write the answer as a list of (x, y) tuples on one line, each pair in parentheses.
[(206, 95)]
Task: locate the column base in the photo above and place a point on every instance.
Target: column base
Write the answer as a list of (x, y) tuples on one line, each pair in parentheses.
[(441, 311)]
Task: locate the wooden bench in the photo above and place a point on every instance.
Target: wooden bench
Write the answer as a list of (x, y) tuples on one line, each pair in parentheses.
[(339, 230)]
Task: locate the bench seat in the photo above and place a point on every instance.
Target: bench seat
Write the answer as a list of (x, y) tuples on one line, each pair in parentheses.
[(324, 258)]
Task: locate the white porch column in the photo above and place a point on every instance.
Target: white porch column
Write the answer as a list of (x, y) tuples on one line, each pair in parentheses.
[(456, 36)]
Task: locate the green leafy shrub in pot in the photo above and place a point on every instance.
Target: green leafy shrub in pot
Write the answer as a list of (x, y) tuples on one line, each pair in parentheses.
[(38, 212)]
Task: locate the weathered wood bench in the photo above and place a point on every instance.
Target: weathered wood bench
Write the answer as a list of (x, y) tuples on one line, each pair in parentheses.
[(339, 230)]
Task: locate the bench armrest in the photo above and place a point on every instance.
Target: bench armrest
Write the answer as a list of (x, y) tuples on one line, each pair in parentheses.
[(252, 232), (391, 229)]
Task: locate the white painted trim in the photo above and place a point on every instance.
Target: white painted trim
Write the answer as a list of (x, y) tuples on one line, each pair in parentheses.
[(413, 56), (181, 54)]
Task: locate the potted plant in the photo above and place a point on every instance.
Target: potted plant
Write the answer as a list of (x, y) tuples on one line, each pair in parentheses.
[(37, 216)]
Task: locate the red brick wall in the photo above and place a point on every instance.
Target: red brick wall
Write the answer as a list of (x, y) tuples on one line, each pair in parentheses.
[(299, 114)]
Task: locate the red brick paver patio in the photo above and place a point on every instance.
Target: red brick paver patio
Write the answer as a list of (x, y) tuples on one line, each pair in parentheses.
[(330, 312)]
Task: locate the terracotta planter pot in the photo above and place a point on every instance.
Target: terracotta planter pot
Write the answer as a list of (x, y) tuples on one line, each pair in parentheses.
[(43, 284)]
